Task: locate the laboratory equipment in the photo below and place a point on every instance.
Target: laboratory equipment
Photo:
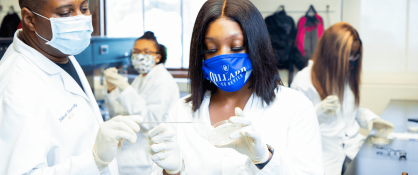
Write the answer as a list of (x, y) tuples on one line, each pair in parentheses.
[(381, 135), (102, 53), (401, 154), (412, 125), (220, 135)]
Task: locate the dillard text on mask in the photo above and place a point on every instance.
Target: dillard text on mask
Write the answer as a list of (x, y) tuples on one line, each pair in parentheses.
[(225, 79)]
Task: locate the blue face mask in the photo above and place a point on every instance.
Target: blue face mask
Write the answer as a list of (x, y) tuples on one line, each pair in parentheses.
[(229, 72), (70, 35)]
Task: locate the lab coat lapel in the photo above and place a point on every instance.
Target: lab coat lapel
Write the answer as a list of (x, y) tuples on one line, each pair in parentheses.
[(51, 68), (47, 65), (151, 74), (71, 85), (202, 115), (254, 108), (88, 93)]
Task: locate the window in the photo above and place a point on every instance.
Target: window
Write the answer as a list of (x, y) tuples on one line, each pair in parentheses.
[(124, 18), (171, 21), (164, 18), (190, 10)]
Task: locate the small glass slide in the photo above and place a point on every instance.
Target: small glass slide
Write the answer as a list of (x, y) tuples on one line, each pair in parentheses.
[(220, 135)]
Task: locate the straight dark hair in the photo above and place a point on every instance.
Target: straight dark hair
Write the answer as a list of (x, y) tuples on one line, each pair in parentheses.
[(265, 78)]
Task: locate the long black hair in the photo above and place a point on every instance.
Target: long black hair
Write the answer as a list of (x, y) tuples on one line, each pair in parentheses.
[(265, 77), (161, 48)]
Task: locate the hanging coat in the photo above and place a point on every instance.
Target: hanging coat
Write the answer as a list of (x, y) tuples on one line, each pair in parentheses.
[(282, 33), (339, 130), (288, 125), (310, 30), (9, 25), (48, 123), (150, 96)]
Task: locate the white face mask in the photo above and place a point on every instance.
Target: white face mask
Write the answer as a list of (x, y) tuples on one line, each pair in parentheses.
[(70, 35), (143, 63)]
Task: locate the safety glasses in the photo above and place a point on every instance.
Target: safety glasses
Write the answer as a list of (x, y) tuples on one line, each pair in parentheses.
[(391, 152)]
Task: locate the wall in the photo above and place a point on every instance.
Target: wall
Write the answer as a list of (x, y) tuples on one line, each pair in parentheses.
[(390, 42), (297, 8)]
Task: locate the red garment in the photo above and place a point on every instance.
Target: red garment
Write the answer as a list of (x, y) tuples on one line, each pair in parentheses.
[(20, 25), (302, 29)]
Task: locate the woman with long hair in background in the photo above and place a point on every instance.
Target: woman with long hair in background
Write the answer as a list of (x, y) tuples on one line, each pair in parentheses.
[(332, 82)]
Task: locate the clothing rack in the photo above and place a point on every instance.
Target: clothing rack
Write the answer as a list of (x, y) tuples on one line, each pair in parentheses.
[(297, 11), (282, 7)]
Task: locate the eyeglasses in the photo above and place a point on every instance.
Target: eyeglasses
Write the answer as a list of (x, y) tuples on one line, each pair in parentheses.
[(391, 152), (146, 52)]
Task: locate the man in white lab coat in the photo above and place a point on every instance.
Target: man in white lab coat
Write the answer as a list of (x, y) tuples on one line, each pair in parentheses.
[(49, 120)]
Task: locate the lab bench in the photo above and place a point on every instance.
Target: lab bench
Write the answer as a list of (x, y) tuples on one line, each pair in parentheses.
[(372, 160)]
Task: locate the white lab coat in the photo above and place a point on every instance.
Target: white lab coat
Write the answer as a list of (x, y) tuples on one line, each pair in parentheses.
[(288, 124), (48, 125), (150, 96), (340, 130)]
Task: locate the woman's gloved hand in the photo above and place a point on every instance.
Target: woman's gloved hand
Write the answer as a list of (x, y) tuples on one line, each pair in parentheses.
[(330, 104), (379, 124), (112, 77), (110, 137), (249, 141), (110, 86), (164, 149)]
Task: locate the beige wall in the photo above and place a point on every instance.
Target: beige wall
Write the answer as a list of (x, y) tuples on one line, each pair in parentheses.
[(387, 29), (297, 8)]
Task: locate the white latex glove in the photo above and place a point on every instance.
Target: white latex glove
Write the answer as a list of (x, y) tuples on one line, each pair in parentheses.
[(110, 137), (249, 141), (164, 149), (379, 124), (330, 104), (112, 77)]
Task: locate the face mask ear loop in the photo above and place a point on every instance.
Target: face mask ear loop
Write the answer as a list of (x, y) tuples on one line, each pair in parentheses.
[(41, 36), (40, 15), (37, 32)]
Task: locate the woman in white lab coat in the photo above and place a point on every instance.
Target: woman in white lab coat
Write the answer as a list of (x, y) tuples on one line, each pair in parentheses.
[(332, 82), (232, 65), (152, 94)]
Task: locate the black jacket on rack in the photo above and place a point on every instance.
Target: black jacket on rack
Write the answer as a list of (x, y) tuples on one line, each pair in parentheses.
[(9, 25), (282, 32)]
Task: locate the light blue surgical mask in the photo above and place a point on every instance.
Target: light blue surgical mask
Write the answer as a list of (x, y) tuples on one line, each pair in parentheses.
[(70, 35)]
